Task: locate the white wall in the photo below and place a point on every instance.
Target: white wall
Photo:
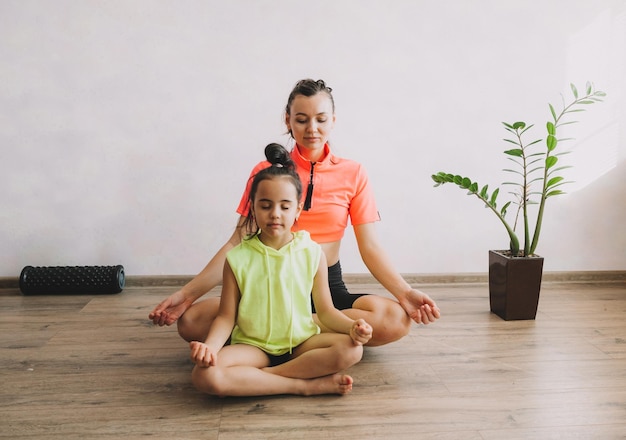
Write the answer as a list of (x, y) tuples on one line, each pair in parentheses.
[(128, 128)]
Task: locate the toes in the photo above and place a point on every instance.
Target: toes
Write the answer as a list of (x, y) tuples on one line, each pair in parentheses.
[(345, 380)]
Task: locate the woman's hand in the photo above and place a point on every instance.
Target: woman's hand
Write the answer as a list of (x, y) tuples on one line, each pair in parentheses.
[(170, 309), (202, 355), (420, 307), (360, 332)]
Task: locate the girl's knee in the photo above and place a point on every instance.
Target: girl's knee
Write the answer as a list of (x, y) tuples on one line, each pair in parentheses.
[(207, 380), (348, 354), (356, 354)]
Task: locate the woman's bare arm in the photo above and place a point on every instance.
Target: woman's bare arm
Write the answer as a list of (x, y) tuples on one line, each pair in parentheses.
[(419, 306), (171, 308)]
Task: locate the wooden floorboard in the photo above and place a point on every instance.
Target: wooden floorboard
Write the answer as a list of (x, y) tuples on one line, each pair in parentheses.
[(94, 367)]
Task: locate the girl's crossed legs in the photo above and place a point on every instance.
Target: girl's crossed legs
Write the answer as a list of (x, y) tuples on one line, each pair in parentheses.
[(244, 370)]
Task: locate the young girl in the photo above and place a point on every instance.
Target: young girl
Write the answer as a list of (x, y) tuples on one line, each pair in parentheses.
[(265, 309)]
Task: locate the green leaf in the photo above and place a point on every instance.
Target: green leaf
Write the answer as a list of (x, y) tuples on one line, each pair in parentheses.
[(516, 161), (553, 112), (473, 188), (518, 125), (574, 90), (483, 192), (565, 139), (562, 183), (504, 208), (554, 181), (551, 128), (494, 195), (556, 192), (526, 129), (515, 152), (466, 183), (458, 180), (554, 170), (551, 161), (551, 142)]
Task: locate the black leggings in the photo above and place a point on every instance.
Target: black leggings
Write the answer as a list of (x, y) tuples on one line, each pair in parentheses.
[(342, 299)]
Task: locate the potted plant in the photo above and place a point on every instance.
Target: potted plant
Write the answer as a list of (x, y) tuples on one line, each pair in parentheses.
[(515, 274)]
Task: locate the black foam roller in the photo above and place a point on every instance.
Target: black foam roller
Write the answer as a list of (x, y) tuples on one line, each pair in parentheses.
[(71, 280)]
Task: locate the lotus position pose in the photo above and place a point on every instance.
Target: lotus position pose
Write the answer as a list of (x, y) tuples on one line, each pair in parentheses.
[(265, 309), (337, 189)]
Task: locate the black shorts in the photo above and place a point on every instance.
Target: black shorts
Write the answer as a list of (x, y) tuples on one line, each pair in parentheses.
[(280, 359), (342, 299)]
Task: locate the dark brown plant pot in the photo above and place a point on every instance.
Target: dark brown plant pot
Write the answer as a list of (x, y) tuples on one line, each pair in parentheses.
[(514, 285)]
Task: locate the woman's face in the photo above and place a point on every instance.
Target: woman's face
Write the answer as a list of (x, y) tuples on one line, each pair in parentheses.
[(311, 119)]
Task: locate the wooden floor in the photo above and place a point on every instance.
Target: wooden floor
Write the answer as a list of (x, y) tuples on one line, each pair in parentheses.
[(94, 367)]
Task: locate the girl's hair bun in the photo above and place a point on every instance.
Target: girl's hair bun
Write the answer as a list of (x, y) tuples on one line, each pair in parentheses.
[(276, 154)]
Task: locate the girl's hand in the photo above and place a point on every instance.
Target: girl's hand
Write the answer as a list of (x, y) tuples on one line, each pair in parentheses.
[(202, 355), (361, 332)]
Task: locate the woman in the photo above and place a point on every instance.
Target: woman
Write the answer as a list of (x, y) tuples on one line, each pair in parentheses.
[(343, 191)]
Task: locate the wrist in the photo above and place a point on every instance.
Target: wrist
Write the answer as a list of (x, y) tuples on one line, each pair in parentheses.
[(404, 293), (189, 294)]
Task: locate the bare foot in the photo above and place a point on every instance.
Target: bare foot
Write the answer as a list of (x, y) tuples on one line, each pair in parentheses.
[(335, 384)]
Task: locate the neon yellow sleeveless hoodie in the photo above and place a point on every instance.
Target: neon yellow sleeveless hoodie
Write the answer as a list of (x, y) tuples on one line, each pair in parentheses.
[(275, 307)]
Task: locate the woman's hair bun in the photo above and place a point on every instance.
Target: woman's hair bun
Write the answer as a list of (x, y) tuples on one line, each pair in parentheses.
[(276, 154)]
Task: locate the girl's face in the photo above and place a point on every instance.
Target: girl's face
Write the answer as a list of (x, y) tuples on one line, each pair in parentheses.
[(311, 119), (276, 209)]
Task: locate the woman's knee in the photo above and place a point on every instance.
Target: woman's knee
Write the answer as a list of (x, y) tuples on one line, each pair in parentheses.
[(186, 326), (388, 319), (194, 324)]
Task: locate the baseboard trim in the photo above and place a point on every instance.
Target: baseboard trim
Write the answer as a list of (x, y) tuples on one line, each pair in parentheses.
[(473, 278), (603, 276)]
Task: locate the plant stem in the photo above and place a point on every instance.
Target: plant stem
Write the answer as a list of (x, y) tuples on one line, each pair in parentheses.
[(544, 192), (514, 241), (524, 192)]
